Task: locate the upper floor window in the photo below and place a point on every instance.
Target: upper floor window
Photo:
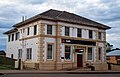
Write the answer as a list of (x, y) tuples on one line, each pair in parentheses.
[(90, 34), (99, 36), (89, 56), (23, 30), (67, 31), (49, 51), (67, 52), (12, 37), (17, 35), (35, 29), (49, 29), (29, 53), (28, 30), (79, 32), (9, 36)]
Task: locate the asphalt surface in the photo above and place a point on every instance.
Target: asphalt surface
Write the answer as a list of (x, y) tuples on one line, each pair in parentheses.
[(55, 72), (61, 75)]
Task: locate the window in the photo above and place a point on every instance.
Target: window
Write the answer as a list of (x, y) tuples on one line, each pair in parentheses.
[(12, 37), (19, 53), (9, 38), (35, 29), (117, 57), (67, 52), (17, 35), (99, 53), (12, 56), (90, 34), (29, 53), (28, 30), (67, 31), (107, 58), (79, 32), (99, 35), (49, 51), (118, 61), (23, 30), (49, 29), (89, 53)]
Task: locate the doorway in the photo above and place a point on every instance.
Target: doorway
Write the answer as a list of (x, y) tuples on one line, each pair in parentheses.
[(79, 60)]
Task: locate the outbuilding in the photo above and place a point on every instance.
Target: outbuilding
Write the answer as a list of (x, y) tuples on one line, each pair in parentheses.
[(113, 56)]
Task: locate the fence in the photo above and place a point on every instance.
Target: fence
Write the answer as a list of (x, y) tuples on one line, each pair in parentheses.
[(7, 61)]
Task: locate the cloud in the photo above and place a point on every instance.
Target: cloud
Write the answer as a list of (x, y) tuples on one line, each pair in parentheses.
[(104, 11), (2, 43), (113, 39)]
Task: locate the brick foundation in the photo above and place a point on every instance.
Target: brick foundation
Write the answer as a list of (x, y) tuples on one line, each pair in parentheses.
[(30, 65), (100, 66)]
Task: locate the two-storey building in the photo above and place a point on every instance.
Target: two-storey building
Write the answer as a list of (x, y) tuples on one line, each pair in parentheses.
[(55, 40)]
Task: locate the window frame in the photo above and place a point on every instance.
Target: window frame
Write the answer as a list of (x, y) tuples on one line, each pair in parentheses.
[(99, 35), (19, 53), (67, 31), (100, 53), (51, 51), (90, 54), (28, 30), (12, 39), (9, 38), (67, 52), (29, 54), (90, 34), (35, 30), (49, 29), (79, 32), (17, 35)]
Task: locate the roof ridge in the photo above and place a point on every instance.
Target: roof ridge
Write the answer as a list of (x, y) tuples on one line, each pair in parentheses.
[(59, 14)]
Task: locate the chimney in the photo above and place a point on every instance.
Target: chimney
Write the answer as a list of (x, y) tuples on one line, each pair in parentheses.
[(24, 18)]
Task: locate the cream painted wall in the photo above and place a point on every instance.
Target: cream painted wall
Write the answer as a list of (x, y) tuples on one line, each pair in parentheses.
[(12, 48), (73, 32), (32, 43), (49, 40)]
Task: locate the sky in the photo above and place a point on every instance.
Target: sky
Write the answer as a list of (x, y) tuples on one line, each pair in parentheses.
[(103, 11)]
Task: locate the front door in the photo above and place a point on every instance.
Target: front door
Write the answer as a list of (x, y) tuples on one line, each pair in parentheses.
[(79, 60)]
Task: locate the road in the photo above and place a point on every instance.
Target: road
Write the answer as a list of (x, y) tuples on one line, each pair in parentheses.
[(60, 75)]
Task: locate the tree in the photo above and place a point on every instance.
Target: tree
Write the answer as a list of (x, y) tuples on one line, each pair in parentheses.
[(108, 47)]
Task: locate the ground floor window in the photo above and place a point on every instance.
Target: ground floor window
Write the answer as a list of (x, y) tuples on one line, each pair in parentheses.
[(49, 51), (19, 53), (89, 56), (67, 52), (29, 53), (100, 53)]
